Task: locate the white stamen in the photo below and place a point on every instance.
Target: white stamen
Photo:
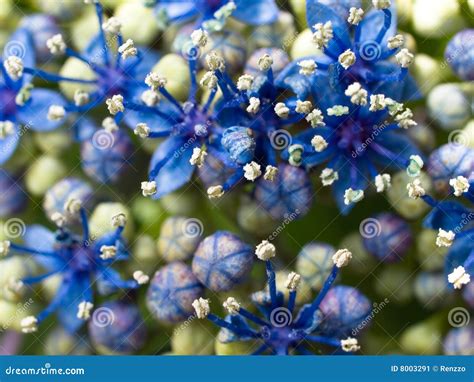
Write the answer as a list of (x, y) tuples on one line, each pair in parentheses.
[(319, 143), (198, 157), (215, 61), (231, 305), (115, 104), (81, 97), (342, 258), (127, 49), (209, 80), (293, 281), (355, 15), (347, 58), (140, 277), (381, 4), (252, 171), (357, 93), (404, 119), (383, 182), (112, 26), (58, 219), (254, 105), (296, 154), (303, 107), (396, 41), (142, 130), (155, 80), (56, 113), (108, 252), (4, 248), (308, 67), (148, 188), (270, 173), (323, 34), (14, 67), (109, 124), (316, 118), (215, 192), (245, 82), (282, 110), (199, 37), (150, 97), (56, 44), (377, 102), (459, 277), (394, 107), (84, 310), (119, 220), (445, 238), (265, 250), (350, 345), (337, 110), (72, 205), (201, 307), (7, 128), (415, 190), (404, 58), (328, 176), (353, 196), (265, 62), (460, 185), (29, 324)]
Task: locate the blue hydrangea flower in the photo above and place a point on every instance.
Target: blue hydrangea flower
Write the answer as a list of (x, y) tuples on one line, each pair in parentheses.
[(455, 224), (117, 327), (82, 261), (253, 12), (459, 54), (356, 47), (23, 107), (42, 27), (328, 320), (357, 136)]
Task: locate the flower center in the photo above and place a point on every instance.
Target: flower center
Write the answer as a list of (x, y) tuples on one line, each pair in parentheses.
[(112, 81)]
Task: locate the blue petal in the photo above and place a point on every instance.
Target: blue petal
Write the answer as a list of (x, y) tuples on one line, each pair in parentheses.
[(42, 239), (341, 7), (447, 215), (138, 71), (84, 129), (177, 171), (178, 10), (372, 23), (34, 113), (95, 51), (320, 13), (348, 178), (256, 12), (8, 146), (79, 289), (459, 252), (21, 44)]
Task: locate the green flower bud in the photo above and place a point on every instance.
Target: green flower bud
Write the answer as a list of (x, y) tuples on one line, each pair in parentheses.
[(428, 71), (84, 28), (144, 255), (76, 69), (149, 213), (175, 69), (429, 255), (395, 281), (362, 262), (61, 9), (449, 106), (194, 337), (467, 135), (12, 313), (12, 270), (254, 219), (436, 18), (53, 142), (179, 203), (138, 22), (100, 220), (304, 294), (43, 174), (423, 338), (423, 136), (299, 9), (303, 45), (398, 195), (60, 342)]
